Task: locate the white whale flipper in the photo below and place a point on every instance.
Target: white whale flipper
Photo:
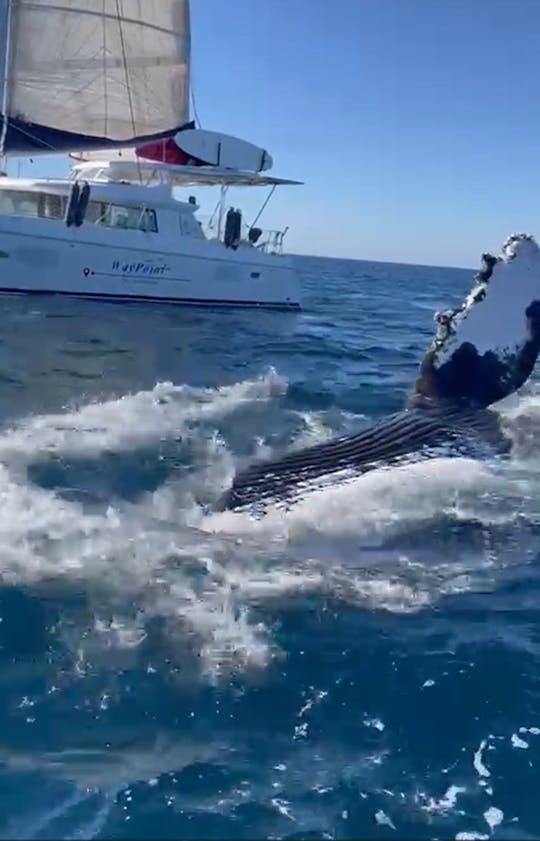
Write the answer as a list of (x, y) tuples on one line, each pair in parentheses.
[(484, 350), (492, 315)]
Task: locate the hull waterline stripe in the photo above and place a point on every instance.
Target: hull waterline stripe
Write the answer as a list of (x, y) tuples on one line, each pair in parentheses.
[(194, 302)]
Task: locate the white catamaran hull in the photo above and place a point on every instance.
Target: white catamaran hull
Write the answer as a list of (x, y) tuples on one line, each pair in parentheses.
[(38, 256)]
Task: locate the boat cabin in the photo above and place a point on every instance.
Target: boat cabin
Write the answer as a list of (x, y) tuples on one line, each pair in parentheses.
[(139, 196), (148, 209)]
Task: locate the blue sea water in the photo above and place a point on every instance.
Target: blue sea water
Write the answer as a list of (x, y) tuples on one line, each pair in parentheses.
[(363, 665)]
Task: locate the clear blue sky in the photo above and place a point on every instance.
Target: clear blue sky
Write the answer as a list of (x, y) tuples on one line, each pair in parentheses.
[(415, 124)]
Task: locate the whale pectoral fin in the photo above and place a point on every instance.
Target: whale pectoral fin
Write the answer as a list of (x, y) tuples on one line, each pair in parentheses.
[(525, 359), (404, 433), (483, 351), (485, 426), (486, 348)]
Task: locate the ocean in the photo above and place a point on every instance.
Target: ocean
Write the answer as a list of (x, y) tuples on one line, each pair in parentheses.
[(365, 664)]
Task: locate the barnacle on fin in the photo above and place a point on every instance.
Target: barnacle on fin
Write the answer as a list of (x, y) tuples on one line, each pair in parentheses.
[(446, 319), (489, 261), (444, 326)]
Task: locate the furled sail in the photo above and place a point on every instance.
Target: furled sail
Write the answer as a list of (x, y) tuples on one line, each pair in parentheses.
[(83, 74)]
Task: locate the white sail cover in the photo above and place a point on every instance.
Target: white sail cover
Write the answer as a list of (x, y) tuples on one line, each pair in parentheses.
[(115, 69)]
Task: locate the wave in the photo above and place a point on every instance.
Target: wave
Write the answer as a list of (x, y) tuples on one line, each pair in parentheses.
[(380, 541)]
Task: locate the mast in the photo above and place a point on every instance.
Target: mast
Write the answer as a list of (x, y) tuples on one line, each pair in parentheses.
[(5, 90)]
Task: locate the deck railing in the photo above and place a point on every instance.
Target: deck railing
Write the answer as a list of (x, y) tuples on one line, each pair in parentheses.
[(270, 241)]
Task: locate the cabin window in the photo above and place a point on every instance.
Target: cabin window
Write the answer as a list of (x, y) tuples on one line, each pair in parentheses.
[(96, 213), (190, 225), (119, 216), (30, 203), (51, 206)]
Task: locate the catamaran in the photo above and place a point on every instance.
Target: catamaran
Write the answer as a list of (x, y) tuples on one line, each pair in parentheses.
[(107, 82)]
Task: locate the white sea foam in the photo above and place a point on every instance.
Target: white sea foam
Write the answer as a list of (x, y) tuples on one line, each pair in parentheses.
[(205, 572), (445, 803), (131, 420)]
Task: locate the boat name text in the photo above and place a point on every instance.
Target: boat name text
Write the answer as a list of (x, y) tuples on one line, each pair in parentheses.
[(140, 268)]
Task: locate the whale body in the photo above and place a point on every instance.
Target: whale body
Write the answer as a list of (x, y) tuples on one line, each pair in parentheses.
[(484, 350)]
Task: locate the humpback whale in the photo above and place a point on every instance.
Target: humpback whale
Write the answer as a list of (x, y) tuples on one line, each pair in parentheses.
[(483, 350)]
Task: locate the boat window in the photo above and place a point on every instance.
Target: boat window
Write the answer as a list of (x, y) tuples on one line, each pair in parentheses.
[(190, 225), (96, 213), (118, 216), (30, 203), (51, 206)]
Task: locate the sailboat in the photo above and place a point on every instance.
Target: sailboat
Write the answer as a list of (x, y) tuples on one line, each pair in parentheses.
[(108, 83)]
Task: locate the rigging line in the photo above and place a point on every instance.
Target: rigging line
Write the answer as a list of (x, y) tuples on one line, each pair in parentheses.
[(189, 63), (128, 88), (259, 214), (194, 106), (104, 69), (26, 133)]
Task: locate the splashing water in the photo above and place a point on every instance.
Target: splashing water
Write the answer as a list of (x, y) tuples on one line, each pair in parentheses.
[(217, 673)]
